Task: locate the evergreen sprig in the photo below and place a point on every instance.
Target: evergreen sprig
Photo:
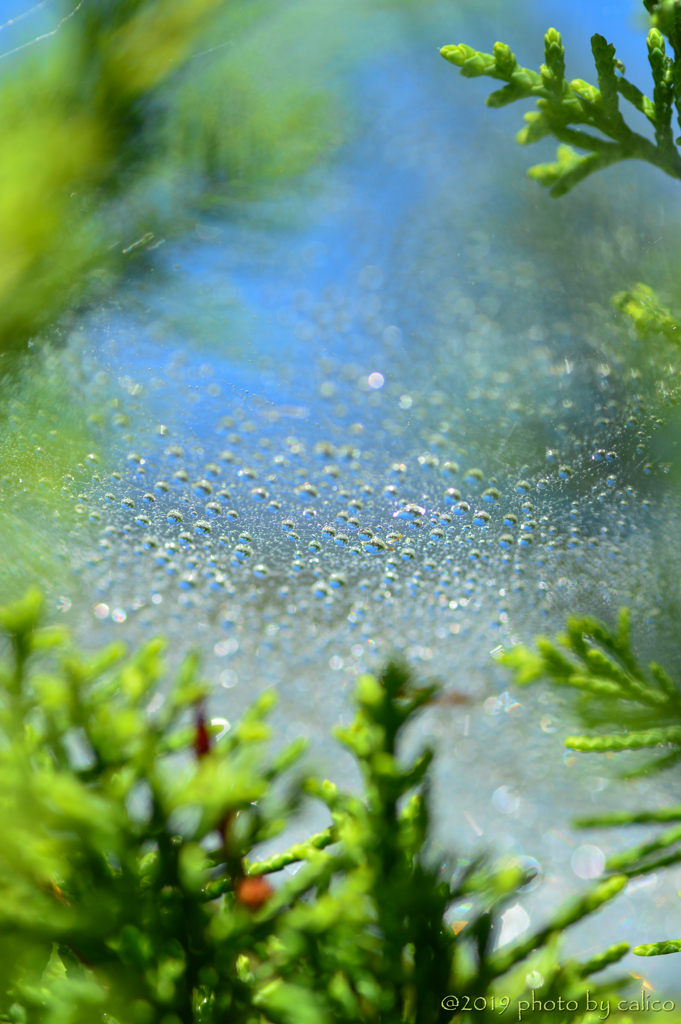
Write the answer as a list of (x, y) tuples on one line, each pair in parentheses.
[(129, 892), (628, 709), (567, 108)]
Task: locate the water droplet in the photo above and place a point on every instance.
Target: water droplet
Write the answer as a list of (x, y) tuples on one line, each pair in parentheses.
[(202, 488), (232, 513), (407, 554), (202, 527), (259, 494), (128, 503), (588, 861), (309, 489), (149, 499), (462, 508), (314, 545), (174, 516), (451, 496), (491, 495), (341, 539), (337, 580), (213, 509), (564, 472), (481, 518), (474, 476), (409, 512), (450, 467), (436, 535), (373, 546), (522, 487), (506, 540), (241, 554), (328, 531), (142, 520), (510, 519), (260, 571)]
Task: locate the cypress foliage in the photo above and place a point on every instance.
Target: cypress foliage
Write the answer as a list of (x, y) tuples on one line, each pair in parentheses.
[(625, 708), (129, 888), (571, 111)]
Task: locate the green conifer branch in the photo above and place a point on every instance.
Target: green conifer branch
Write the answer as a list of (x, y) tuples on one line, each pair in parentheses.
[(294, 854), (563, 105), (664, 840), (573, 911), (625, 818), (658, 948), (614, 693)]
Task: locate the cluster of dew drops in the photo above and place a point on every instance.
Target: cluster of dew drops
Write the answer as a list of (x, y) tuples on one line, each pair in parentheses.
[(340, 530)]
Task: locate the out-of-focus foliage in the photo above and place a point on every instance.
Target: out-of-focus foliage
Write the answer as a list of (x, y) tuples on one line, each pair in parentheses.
[(123, 130), (647, 313), (627, 709), (85, 96), (126, 889)]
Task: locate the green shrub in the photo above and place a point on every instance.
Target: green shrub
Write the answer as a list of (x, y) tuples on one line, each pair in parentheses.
[(126, 889)]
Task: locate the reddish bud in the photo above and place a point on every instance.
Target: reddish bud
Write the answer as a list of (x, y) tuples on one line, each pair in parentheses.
[(253, 892), (202, 738)]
